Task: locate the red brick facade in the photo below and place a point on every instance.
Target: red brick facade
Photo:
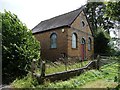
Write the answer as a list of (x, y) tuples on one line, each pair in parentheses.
[(64, 40)]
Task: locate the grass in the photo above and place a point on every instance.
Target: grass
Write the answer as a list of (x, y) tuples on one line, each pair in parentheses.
[(101, 83), (75, 82), (54, 67), (61, 67), (106, 77), (25, 82), (109, 79)]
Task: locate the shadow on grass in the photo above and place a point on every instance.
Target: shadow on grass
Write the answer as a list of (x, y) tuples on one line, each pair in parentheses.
[(8, 78)]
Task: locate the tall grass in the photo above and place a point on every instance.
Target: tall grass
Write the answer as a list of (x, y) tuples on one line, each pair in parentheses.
[(25, 82), (62, 67), (107, 72)]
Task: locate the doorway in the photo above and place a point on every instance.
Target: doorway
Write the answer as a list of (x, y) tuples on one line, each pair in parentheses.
[(83, 49)]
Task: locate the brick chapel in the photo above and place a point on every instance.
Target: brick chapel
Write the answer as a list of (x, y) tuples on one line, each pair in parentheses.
[(68, 35)]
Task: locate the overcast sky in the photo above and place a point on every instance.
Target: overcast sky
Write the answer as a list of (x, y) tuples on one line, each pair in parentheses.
[(31, 12)]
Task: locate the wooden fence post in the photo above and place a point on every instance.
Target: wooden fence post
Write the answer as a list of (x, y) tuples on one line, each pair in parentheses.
[(33, 66), (98, 62), (65, 59), (43, 69), (66, 64)]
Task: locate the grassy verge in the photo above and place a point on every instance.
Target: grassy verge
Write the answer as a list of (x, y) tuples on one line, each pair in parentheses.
[(108, 75), (100, 83)]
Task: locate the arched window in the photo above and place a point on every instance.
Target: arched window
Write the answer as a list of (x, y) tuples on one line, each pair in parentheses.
[(89, 44), (83, 41), (74, 40), (53, 41)]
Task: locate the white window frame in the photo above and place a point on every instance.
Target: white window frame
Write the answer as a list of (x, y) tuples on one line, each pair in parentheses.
[(74, 40)]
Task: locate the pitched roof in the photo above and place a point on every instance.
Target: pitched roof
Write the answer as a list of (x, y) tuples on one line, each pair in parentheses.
[(58, 21)]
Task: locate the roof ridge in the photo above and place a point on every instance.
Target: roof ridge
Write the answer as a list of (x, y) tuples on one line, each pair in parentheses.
[(58, 21), (63, 14)]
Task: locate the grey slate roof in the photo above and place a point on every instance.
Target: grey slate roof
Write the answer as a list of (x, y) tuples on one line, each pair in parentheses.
[(58, 21)]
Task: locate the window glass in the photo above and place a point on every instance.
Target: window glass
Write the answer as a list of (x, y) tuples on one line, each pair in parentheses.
[(89, 44), (74, 40), (53, 40)]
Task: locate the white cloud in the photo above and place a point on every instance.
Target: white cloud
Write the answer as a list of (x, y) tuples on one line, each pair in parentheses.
[(31, 12)]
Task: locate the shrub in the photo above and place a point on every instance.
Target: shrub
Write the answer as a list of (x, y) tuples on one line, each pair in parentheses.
[(101, 42), (19, 47)]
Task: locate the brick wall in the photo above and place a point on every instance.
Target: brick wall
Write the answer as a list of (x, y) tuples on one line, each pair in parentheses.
[(64, 43), (46, 51), (82, 32)]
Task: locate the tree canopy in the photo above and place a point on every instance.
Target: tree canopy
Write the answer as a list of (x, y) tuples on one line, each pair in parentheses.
[(102, 17), (113, 10), (96, 14), (100, 25)]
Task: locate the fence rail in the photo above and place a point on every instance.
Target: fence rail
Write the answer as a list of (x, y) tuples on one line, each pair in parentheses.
[(65, 74), (95, 64)]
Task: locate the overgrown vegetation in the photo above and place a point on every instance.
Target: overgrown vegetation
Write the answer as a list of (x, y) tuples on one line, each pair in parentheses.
[(112, 12), (103, 16), (26, 82), (96, 14), (101, 42), (60, 67), (19, 47), (108, 72)]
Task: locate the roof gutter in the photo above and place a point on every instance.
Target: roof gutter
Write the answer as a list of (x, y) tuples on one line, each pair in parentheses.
[(50, 29)]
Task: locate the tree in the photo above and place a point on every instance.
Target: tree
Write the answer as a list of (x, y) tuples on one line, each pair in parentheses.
[(113, 10), (96, 14), (100, 24), (19, 47), (101, 43)]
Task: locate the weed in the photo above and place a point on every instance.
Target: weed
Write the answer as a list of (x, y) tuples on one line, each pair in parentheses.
[(61, 67), (25, 82), (107, 73)]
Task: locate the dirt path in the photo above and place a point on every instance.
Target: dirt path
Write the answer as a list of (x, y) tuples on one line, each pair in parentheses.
[(100, 84)]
